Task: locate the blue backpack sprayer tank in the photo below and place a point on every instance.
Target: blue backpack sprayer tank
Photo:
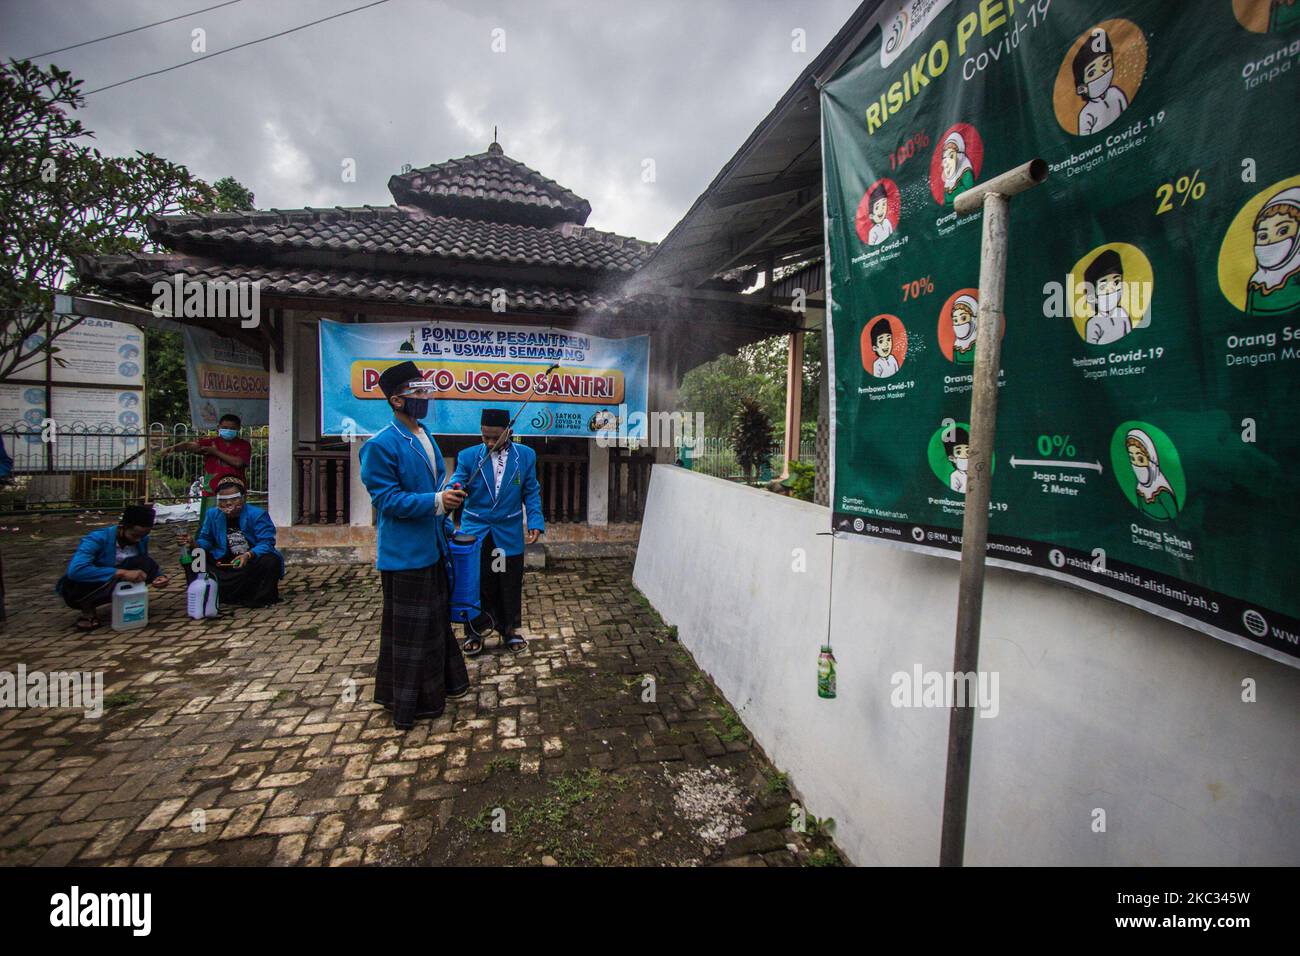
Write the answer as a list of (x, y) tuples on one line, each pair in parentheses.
[(466, 608)]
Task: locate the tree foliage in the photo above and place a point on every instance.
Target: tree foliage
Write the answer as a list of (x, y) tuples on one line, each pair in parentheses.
[(751, 435), (232, 195), (60, 198), (165, 377), (756, 372)]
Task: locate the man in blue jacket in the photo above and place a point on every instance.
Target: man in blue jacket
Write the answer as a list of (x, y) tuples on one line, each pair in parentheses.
[(239, 539), (420, 664), (106, 556), (498, 491)]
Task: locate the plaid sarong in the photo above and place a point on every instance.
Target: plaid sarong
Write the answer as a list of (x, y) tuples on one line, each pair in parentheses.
[(419, 659)]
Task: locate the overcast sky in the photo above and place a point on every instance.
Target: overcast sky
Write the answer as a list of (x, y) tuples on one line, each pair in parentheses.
[(583, 92)]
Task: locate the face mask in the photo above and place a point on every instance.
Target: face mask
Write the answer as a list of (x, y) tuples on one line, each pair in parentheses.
[(417, 408), (229, 434), (960, 463), (1100, 85), (1274, 254), (1107, 301)]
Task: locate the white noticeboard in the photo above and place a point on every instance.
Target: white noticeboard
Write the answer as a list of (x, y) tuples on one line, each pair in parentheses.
[(95, 390)]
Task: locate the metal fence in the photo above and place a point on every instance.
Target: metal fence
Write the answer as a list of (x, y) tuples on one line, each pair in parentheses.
[(716, 457), (76, 466)]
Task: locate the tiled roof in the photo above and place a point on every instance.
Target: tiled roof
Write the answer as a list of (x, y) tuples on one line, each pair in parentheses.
[(137, 272), (393, 231), (489, 185)]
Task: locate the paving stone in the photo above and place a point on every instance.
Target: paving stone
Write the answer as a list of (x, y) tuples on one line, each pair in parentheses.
[(251, 724)]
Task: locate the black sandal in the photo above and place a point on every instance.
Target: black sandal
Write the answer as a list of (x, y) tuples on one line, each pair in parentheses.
[(514, 643), (472, 646), (87, 623)]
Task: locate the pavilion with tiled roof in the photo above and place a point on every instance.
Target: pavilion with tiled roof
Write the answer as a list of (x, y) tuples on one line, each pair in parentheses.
[(460, 236)]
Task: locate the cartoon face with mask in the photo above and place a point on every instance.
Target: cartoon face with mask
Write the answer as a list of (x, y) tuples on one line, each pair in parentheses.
[(1274, 287), (1094, 79), (1104, 291), (1155, 495), (964, 329), (956, 446)]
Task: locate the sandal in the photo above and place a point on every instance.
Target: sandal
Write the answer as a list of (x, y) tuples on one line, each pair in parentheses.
[(88, 622), (472, 646), (514, 643)]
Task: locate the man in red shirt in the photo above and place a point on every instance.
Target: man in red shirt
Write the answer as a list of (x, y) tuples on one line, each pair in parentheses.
[(224, 454)]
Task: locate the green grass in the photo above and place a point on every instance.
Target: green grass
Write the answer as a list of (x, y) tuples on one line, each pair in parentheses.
[(777, 781), (733, 728), (121, 699), (505, 764), (551, 821), (824, 856)]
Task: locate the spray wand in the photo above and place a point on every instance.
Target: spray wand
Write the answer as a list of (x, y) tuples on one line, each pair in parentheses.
[(509, 428)]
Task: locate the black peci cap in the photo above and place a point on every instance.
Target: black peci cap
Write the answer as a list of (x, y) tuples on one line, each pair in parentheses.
[(139, 516), (393, 378)]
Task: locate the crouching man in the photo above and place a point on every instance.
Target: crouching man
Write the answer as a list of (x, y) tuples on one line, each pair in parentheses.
[(106, 556), (239, 539)]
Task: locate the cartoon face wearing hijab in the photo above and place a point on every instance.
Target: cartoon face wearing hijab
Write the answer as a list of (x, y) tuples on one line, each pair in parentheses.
[(1155, 495), (1094, 78), (1274, 287), (955, 166), (964, 327)]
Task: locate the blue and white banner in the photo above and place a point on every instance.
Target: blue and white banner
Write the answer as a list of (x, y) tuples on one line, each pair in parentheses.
[(597, 381)]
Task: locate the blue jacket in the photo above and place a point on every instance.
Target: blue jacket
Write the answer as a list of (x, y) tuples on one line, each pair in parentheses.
[(95, 559), (258, 528), (501, 513), (402, 483)]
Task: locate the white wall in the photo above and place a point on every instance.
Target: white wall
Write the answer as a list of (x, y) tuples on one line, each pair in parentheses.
[(282, 428), (1101, 705)]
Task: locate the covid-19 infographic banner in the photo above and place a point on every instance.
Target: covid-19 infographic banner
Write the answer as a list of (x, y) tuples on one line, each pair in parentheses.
[(1147, 430), (598, 383)]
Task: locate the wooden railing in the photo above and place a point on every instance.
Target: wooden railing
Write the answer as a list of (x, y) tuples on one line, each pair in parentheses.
[(629, 479), (323, 483), (564, 487)]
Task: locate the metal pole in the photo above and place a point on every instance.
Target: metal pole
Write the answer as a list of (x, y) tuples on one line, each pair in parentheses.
[(994, 196)]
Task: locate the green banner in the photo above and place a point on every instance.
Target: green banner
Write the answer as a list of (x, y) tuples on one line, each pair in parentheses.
[(1147, 414)]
